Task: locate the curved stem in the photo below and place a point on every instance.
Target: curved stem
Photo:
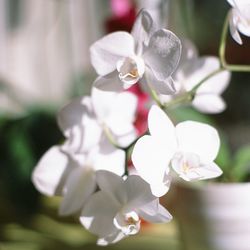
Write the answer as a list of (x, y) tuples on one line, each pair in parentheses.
[(111, 138), (188, 96), (222, 51), (215, 72), (126, 162), (155, 97)]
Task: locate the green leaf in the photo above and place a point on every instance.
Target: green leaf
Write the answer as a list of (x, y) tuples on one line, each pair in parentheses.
[(224, 159), (188, 113), (241, 167)]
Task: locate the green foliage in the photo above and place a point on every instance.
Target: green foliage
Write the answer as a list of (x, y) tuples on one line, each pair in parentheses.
[(188, 113), (23, 141), (224, 158), (241, 164)]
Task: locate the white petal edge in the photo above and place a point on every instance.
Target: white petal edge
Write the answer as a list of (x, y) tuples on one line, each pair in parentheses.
[(138, 192), (142, 30), (163, 53), (49, 171), (162, 128), (199, 138), (71, 114), (165, 87), (151, 161), (112, 184), (109, 82), (79, 185), (98, 214), (111, 239), (233, 28), (105, 52), (107, 157), (78, 123), (154, 212), (209, 103), (203, 172)]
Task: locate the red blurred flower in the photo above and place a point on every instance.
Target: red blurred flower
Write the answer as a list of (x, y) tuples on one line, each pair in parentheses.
[(142, 109), (124, 14)]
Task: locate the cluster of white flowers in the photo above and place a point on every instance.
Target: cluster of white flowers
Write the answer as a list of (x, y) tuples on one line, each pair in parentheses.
[(90, 169)]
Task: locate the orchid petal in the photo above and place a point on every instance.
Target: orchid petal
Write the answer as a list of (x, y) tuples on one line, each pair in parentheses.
[(162, 128), (209, 103), (71, 114), (109, 82), (165, 87), (79, 185), (121, 119), (138, 192), (108, 50), (189, 52), (209, 171), (151, 162), (116, 111), (78, 122), (202, 172), (154, 212), (233, 27), (102, 103), (112, 184), (163, 53), (49, 171), (109, 158), (198, 138), (195, 70), (142, 30), (111, 239), (216, 84), (98, 214)]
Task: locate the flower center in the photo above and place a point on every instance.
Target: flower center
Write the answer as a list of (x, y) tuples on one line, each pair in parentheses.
[(186, 164), (128, 223), (130, 69), (185, 167)]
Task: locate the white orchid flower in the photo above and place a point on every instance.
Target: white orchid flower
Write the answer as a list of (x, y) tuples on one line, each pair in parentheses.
[(207, 98), (151, 56), (114, 112), (69, 169), (72, 175), (114, 212), (239, 19), (190, 148)]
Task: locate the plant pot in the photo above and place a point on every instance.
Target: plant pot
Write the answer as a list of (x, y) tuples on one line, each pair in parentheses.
[(213, 216)]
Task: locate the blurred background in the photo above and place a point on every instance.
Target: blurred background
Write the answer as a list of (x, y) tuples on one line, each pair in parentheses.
[(44, 62)]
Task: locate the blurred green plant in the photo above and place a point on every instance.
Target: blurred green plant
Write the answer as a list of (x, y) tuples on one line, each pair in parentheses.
[(22, 143)]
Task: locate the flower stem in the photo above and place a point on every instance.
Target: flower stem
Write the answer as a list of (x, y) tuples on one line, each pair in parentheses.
[(111, 138), (155, 97), (213, 73), (126, 162), (222, 51), (189, 96)]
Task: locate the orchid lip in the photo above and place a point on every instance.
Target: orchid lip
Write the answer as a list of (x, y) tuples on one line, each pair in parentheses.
[(128, 223), (130, 69)]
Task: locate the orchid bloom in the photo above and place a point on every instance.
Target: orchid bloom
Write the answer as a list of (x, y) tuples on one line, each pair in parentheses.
[(114, 212), (192, 69), (72, 175), (239, 19), (151, 56), (190, 149), (104, 111), (69, 169)]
